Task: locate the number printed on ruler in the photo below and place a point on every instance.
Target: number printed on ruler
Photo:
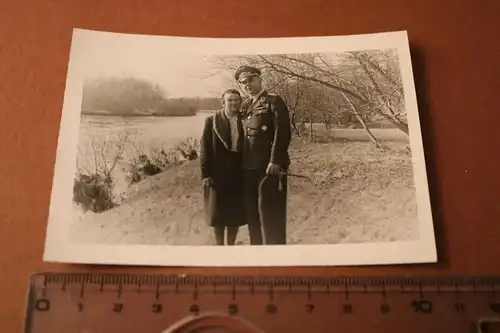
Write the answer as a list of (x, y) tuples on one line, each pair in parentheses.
[(161, 301)]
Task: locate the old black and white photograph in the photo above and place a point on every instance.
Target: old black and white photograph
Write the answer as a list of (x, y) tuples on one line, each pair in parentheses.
[(233, 152)]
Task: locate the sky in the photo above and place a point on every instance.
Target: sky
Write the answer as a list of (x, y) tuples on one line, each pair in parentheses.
[(180, 74), (180, 67)]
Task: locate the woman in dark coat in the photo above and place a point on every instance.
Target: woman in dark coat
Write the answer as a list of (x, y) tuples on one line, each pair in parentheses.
[(221, 169)]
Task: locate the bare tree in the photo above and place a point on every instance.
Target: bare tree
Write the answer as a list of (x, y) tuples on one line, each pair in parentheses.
[(367, 84), (381, 98), (101, 156), (93, 184), (308, 68)]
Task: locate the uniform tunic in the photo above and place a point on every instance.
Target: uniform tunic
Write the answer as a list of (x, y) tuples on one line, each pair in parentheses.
[(267, 129)]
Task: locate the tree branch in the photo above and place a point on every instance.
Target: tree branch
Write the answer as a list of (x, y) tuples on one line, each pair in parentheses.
[(310, 78)]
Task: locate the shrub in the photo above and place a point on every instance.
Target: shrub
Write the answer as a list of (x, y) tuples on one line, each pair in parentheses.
[(160, 159), (93, 192), (189, 149), (148, 166)]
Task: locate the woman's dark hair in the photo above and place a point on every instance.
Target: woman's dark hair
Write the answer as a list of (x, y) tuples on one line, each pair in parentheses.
[(230, 91)]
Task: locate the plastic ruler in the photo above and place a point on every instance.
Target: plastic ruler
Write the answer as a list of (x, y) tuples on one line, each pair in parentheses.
[(112, 303)]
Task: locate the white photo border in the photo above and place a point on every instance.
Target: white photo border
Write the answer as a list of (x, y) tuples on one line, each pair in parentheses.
[(60, 248)]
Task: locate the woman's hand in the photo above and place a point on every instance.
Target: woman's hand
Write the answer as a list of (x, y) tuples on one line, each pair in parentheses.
[(208, 181)]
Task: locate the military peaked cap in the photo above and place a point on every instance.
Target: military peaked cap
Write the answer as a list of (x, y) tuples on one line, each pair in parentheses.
[(245, 71)]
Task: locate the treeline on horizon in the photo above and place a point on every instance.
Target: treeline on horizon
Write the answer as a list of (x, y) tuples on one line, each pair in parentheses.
[(138, 97)]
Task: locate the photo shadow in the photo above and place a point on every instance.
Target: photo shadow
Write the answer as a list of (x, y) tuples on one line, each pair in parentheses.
[(421, 81)]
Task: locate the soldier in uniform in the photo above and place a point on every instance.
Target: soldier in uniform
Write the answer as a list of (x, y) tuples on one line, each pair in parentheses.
[(267, 134)]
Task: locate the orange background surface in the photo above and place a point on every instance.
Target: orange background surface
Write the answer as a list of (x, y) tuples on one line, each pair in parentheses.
[(455, 53)]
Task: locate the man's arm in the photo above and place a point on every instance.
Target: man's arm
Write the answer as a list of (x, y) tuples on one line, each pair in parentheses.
[(282, 132), (206, 149)]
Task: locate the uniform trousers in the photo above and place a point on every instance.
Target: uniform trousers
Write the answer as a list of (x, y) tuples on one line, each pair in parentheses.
[(265, 198)]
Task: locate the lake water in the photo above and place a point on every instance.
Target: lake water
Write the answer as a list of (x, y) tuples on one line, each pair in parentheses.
[(102, 137)]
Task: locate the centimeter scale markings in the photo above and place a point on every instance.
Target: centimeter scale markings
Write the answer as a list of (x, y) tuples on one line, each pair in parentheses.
[(60, 302)]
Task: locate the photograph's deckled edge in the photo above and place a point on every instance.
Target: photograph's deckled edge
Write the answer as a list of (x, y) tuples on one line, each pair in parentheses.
[(58, 247)]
